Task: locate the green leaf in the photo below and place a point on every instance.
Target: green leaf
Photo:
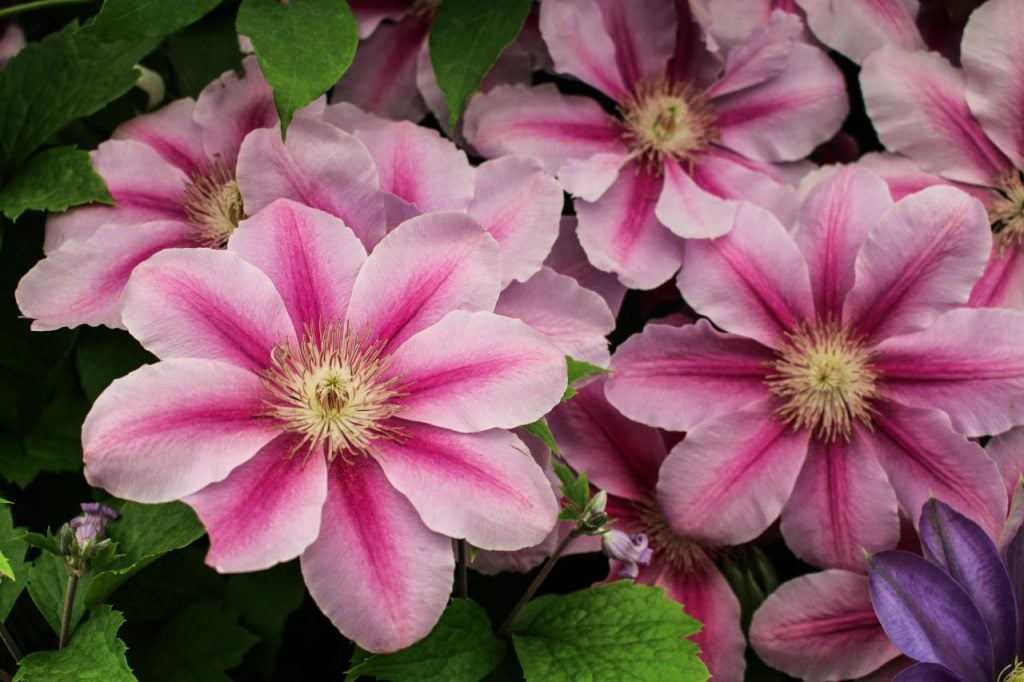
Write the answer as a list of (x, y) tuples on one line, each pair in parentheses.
[(47, 585), (460, 648), (266, 599), (94, 654), (103, 355), (203, 51), (541, 430), (146, 18), (577, 371), (69, 75), (53, 180), (615, 631), (200, 644), (303, 47), (466, 40), (144, 533), (13, 549)]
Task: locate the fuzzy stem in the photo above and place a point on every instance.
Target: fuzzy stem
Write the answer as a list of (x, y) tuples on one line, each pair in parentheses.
[(535, 585), (69, 606), (462, 567), (9, 642), (38, 4)]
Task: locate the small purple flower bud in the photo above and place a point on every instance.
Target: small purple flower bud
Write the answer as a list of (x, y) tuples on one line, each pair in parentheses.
[(631, 550), (91, 526)]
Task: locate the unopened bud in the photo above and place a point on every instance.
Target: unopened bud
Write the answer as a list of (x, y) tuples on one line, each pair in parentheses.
[(631, 549), (91, 526)]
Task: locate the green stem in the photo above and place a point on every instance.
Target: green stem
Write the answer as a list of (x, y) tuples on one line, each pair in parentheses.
[(69, 607), (38, 4), (462, 567), (535, 585), (5, 635)]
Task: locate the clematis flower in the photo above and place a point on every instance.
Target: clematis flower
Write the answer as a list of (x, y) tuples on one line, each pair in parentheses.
[(956, 609), (12, 40), (690, 135), (174, 174), (963, 125), (314, 401), (623, 458), (847, 377)]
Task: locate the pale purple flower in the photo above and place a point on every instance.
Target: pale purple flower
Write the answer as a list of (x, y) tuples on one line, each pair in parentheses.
[(632, 549), (91, 525)]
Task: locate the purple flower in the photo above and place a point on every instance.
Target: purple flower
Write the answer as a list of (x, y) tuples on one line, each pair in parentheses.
[(91, 526), (629, 548), (955, 610)]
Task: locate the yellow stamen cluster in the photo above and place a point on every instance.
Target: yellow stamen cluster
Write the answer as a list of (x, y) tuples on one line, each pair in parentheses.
[(1012, 673), (827, 379), (334, 390), (665, 117), (213, 204), (1007, 213), (669, 547)]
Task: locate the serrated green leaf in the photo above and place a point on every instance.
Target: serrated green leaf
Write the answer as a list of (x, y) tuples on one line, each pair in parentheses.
[(70, 74), (94, 654), (144, 533), (103, 355), (616, 631), (53, 180), (13, 549), (541, 430), (119, 19), (466, 40), (460, 648), (200, 644), (303, 47), (577, 371), (47, 585)]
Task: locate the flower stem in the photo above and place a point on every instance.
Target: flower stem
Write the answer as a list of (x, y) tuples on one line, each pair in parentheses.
[(535, 585), (5, 635), (462, 567), (69, 606), (38, 4)]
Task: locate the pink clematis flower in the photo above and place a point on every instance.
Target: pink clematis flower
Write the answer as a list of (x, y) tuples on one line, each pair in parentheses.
[(847, 378), (964, 126), (175, 174), (691, 134), (623, 458), (314, 401)]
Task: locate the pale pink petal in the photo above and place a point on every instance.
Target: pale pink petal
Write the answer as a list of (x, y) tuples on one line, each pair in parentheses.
[(688, 210), (993, 59), (348, 117), (1007, 451), (696, 58), (786, 117), (762, 56), (678, 377), (591, 177), (201, 303), (856, 28), (309, 255), (382, 78), (484, 487), (82, 281), (753, 281), (419, 166), (730, 477), (842, 506), (581, 46), (835, 219), (230, 108), (821, 627), (1002, 284), (520, 206), (379, 574), (975, 378), (320, 166), (424, 269), (917, 103), (924, 458), (370, 13), (472, 371), (568, 258), (921, 259), (540, 121), (903, 175), (643, 35), (621, 233), (705, 595), (728, 175), (618, 455), (576, 320), (170, 429), (12, 41), (266, 511), (172, 132), (727, 23)]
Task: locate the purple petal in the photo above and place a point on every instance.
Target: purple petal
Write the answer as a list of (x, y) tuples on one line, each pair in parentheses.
[(1013, 555), (926, 672)]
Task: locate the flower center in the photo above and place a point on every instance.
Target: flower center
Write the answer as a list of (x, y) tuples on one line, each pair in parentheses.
[(665, 117), (213, 204), (827, 379), (1007, 213), (334, 391), (681, 553), (1012, 673)]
